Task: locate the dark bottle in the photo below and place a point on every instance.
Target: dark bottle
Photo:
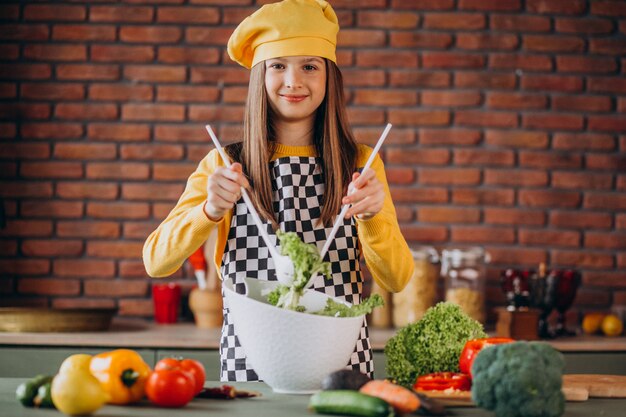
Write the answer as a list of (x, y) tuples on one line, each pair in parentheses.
[(537, 286)]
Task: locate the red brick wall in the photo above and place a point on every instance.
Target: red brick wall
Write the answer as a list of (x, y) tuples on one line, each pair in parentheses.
[(509, 132)]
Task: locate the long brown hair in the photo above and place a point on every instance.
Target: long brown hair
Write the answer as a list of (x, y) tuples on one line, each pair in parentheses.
[(332, 138)]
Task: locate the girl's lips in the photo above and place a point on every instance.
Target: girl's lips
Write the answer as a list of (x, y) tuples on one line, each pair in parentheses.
[(293, 99)]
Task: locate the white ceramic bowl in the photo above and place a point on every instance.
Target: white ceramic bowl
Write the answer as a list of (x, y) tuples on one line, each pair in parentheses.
[(292, 352)]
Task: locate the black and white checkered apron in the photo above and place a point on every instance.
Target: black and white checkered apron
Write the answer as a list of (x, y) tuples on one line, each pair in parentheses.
[(298, 190)]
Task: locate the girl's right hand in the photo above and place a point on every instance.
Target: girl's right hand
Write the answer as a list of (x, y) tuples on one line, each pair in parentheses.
[(224, 190)]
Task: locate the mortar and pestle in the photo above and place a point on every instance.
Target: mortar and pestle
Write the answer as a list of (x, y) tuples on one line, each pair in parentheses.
[(205, 300)]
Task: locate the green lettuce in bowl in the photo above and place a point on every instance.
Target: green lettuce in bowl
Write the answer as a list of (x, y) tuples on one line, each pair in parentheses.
[(307, 262)]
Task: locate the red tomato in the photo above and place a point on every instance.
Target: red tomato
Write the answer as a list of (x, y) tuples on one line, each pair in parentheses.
[(471, 349), (441, 381), (170, 387), (192, 366)]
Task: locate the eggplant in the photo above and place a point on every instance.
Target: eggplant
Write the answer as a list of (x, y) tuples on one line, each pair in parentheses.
[(429, 406), (345, 379)]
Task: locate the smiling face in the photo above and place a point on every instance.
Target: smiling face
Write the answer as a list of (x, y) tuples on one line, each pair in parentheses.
[(295, 87)]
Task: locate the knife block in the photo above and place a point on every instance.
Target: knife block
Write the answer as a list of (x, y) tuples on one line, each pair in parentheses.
[(520, 324)]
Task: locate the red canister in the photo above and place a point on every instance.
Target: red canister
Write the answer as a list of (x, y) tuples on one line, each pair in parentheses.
[(166, 302)]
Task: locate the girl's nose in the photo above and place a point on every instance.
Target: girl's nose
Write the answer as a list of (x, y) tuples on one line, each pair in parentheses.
[(292, 79)]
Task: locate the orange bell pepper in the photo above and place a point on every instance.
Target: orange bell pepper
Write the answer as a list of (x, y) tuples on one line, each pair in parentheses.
[(122, 373)]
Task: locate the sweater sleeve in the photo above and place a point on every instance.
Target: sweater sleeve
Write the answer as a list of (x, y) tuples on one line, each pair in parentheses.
[(185, 229), (385, 250)]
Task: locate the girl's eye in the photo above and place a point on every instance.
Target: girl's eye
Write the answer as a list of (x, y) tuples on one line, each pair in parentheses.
[(277, 66), (310, 67)]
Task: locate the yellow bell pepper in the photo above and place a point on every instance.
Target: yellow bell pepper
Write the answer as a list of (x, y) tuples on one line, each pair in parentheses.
[(122, 373)]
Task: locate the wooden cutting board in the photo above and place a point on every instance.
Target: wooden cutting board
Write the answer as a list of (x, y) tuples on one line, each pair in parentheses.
[(464, 398), (451, 399), (576, 387), (598, 386)]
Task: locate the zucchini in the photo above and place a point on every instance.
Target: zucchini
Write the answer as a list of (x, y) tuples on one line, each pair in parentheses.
[(43, 399), (352, 403), (27, 391)]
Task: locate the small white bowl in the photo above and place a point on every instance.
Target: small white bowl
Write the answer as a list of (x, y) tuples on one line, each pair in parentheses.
[(291, 352)]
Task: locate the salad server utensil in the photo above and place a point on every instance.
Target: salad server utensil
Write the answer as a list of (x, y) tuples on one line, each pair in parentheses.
[(344, 209), (283, 264)]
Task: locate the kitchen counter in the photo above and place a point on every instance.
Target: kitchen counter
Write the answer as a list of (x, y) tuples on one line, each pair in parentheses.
[(137, 333), (269, 404), (34, 353)]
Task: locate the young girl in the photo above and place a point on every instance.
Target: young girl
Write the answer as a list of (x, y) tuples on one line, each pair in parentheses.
[(297, 158)]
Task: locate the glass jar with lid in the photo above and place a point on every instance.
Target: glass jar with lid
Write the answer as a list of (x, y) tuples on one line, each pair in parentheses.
[(380, 317), (464, 271), (420, 293)]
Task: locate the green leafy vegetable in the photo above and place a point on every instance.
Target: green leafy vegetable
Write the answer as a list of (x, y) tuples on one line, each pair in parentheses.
[(274, 296), (432, 344), (336, 309), (305, 257), (306, 262)]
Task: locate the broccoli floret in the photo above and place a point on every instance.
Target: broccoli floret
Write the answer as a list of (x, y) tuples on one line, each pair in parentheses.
[(432, 344), (520, 379)]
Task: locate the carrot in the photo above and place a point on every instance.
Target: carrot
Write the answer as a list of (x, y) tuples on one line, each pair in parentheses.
[(402, 399)]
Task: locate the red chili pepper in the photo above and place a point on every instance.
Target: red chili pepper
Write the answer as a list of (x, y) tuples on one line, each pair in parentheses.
[(225, 392), (471, 349), (441, 381)]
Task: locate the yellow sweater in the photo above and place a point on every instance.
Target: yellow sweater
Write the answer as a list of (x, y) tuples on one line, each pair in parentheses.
[(187, 227)]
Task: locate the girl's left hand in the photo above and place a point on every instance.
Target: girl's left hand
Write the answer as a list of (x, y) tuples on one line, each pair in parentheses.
[(368, 195)]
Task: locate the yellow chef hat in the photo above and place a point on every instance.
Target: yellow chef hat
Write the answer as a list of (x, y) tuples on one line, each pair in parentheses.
[(286, 28)]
